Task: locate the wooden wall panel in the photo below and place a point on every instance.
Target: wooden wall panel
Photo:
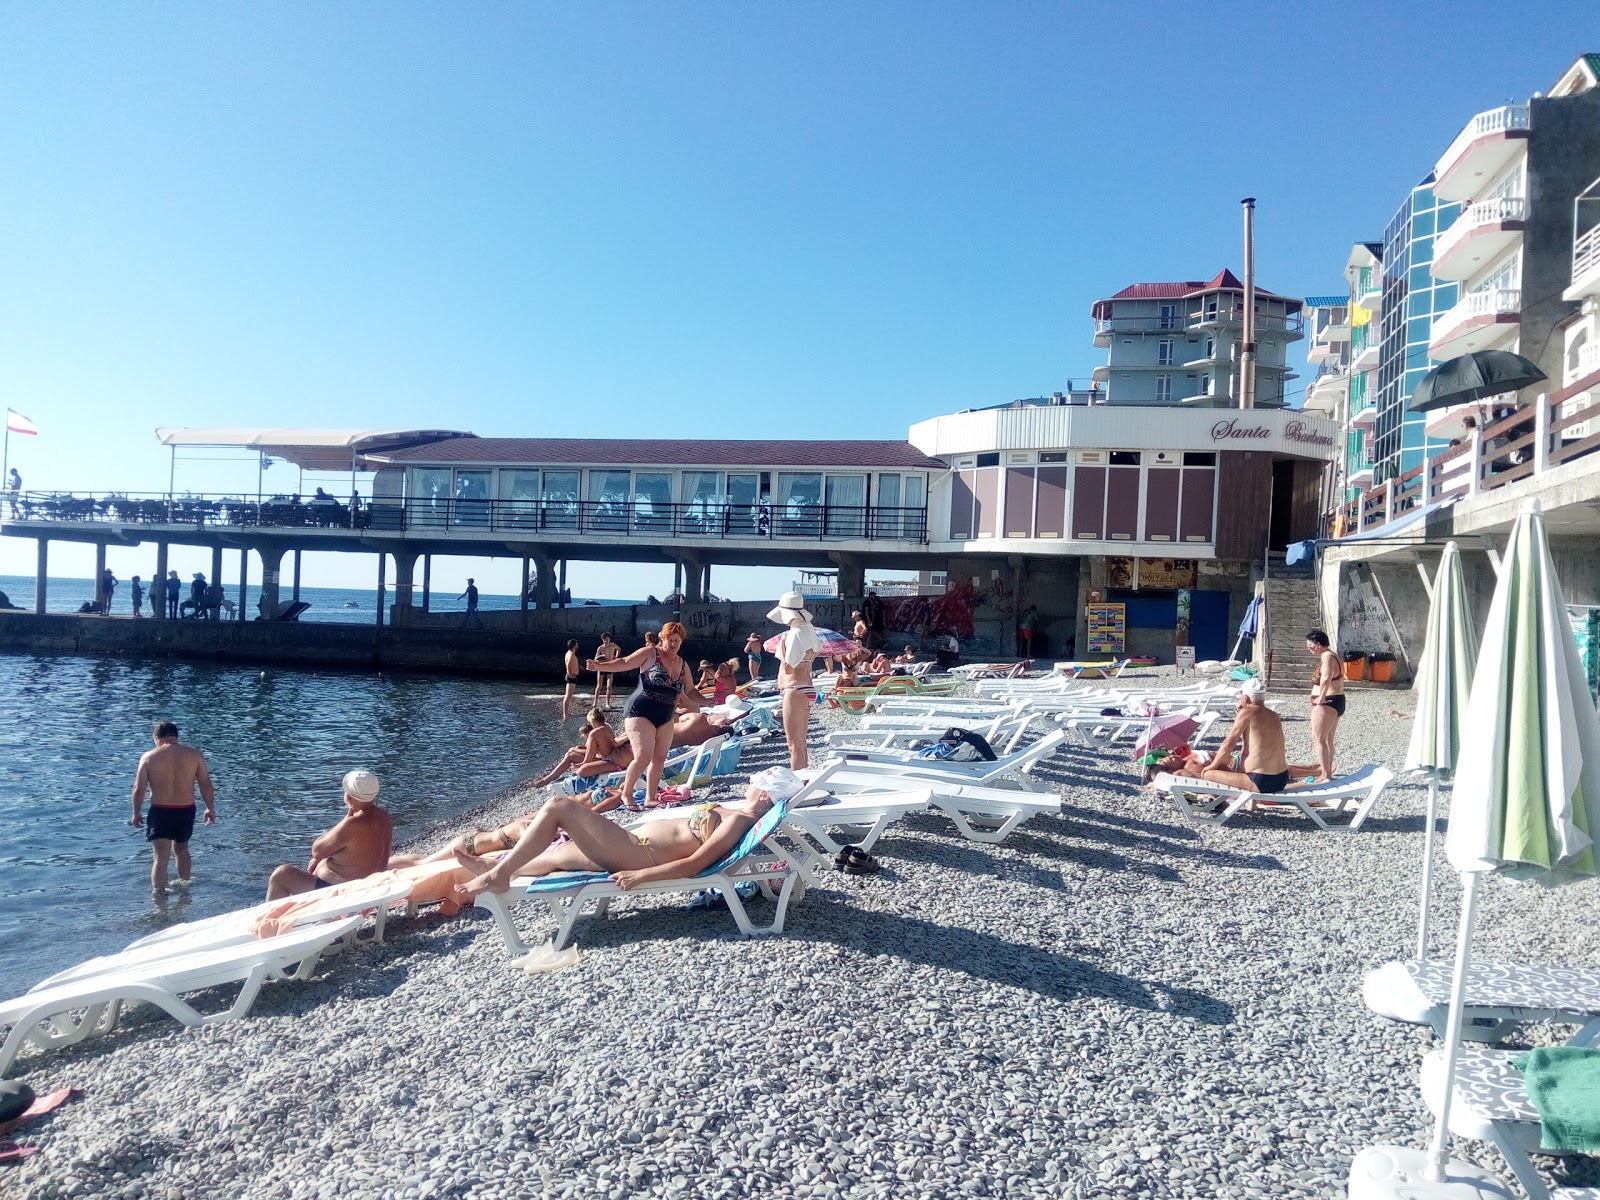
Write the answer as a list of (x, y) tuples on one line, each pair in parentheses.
[(1122, 504), (1161, 505), (1199, 504), (1019, 502), (1246, 488), (961, 505), (986, 502)]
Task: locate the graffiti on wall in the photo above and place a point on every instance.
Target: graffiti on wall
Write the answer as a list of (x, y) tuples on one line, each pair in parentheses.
[(1364, 620)]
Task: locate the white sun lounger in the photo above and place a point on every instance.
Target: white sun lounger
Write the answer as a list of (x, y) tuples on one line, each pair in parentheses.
[(981, 814), (758, 856), (1016, 767), (1205, 803), (874, 811), (65, 1013), (1491, 1104), (1498, 994)]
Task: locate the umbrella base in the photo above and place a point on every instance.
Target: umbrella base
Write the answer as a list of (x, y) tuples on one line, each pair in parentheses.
[(1396, 1173)]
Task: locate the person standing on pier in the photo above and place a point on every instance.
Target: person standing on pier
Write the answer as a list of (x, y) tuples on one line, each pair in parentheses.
[(170, 773), (174, 592), (13, 489), (471, 597), (138, 597), (108, 590)]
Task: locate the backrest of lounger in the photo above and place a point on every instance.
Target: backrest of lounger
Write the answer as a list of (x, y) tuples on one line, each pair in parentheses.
[(754, 836)]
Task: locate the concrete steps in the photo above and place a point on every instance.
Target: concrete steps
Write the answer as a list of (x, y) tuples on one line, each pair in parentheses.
[(1293, 608)]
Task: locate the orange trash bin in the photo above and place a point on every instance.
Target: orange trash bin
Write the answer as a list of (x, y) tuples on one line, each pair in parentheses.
[(1356, 668)]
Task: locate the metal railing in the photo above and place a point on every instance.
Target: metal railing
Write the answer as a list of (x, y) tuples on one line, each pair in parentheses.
[(635, 517), (1522, 445), (1586, 256), (1172, 324), (1233, 314), (1363, 338), (1497, 120), (1475, 217), (1368, 281)]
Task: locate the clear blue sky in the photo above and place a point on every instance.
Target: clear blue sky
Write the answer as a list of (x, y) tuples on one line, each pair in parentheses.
[(726, 219)]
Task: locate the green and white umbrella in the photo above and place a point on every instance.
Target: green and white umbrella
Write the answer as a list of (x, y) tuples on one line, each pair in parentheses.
[(1441, 687), (1526, 800)]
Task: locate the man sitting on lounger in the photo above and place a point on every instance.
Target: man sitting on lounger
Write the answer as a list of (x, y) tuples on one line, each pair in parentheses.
[(672, 848), (356, 847), (1258, 734)]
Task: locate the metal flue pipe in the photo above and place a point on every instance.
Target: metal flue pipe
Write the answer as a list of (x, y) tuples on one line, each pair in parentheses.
[(1247, 350)]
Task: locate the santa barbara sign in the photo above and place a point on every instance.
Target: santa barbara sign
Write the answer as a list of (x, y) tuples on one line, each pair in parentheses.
[(1234, 430)]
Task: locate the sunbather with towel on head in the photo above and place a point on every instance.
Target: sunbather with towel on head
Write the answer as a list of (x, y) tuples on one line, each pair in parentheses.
[(672, 848)]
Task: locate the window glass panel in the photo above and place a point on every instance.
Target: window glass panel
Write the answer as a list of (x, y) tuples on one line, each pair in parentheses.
[(519, 496), (704, 501), (430, 497), (608, 500), (847, 500), (746, 515), (560, 499), (886, 512), (914, 498), (472, 498), (652, 500), (799, 505)]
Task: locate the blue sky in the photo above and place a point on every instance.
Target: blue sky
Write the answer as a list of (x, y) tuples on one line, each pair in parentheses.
[(636, 220)]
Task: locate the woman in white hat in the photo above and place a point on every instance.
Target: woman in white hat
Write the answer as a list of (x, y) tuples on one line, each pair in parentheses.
[(796, 650)]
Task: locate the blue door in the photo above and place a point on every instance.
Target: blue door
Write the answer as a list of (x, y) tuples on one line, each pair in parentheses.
[(1209, 630)]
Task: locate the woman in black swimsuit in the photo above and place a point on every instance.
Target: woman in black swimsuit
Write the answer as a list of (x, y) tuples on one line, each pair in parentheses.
[(1327, 701), (665, 683)]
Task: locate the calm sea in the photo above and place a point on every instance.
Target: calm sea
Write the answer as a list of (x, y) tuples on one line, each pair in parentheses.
[(74, 875), (346, 606)]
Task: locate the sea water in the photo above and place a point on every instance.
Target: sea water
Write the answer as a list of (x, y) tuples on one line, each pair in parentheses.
[(74, 875)]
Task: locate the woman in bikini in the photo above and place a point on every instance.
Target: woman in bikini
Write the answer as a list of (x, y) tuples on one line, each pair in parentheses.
[(796, 650), (665, 683), (1327, 700), (726, 681), (752, 655)]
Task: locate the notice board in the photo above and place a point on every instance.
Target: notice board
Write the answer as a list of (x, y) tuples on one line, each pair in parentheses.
[(1108, 628)]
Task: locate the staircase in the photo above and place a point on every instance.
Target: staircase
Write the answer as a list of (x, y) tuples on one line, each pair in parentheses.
[(1293, 608)]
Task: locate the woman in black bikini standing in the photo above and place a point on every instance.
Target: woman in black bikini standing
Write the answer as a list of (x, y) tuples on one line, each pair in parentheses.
[(1327, 701), (665, 683)]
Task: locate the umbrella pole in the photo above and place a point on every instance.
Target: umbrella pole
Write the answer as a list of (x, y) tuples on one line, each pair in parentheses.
[(1438, 1151), (1427, 867)]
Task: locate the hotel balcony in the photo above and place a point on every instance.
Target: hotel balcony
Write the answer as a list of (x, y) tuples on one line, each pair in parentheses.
[(1365, 341), (1104, 327), (1585, 267), (1480, 321), (1481, 234), (1368, 290), (1231, 316), (1360, 473), (1363, 399), (1481, 151), (1327, 391)]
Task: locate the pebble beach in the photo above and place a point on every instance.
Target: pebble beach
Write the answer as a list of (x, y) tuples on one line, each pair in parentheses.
[(1111, 1003)]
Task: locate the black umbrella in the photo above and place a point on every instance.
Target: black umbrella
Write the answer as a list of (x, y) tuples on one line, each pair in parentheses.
[(1472, 377)]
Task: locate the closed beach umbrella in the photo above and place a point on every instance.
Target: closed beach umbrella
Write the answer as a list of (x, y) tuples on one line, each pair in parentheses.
[(1249, 625), (1527, 791), (1474, 376), (830, 643), (1443, 679)]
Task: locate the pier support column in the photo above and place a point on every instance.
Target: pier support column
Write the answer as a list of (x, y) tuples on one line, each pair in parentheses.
[(405, 570), (705, 583), (41, 579), (383, 590), (271, 570), (216, 567), (544, 586), (99, 576), (852, 582), (523, 599), (297, 577), (694, 577), (158, 586), (244, 582), (427, 579)]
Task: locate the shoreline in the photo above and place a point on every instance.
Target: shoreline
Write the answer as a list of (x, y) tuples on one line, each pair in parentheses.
[(1109, 1003)]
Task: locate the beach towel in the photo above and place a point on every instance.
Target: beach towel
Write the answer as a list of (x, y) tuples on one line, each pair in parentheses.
[(1564, 1084)]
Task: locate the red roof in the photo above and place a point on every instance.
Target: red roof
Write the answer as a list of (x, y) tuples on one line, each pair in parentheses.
[(665, 452), (1223, 281)]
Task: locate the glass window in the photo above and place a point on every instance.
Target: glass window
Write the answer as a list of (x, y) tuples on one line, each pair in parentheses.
[(886, 512), (1164, 352), (704, 502), (1125, 458), (472, 498), (799, 505), (429, 501), (608, 500), (652, 500), (914, 498), (989, 460), (749, 513), (1163, 389), (847, 506), (561, 499), (519, 499)]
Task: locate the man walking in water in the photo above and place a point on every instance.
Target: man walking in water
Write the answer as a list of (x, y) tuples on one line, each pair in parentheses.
[(170, 773)]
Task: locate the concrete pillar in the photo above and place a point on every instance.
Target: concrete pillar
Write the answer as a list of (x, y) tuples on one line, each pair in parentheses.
[(427, 579), (216, 566), (383, 591), (405, 572), (99, 575), (158, 586), (271, 570), (677, 578), (297, 577), (561, 583), (1541, 434), (41, 579), (852, 583), (705, 584), (693, 577), (1475, 475), (544, 587), (244, 582)]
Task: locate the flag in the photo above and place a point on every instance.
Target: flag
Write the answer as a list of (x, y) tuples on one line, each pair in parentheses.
[(17, 423), (1360, 316)]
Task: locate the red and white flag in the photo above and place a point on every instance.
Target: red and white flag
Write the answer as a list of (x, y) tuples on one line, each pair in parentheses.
[(17, 423)]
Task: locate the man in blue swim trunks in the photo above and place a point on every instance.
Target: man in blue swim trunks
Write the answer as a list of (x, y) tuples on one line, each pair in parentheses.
[(171, 773)]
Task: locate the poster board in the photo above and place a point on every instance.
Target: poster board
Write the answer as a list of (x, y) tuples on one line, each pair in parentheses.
[(1185, 658), (1108, 627)]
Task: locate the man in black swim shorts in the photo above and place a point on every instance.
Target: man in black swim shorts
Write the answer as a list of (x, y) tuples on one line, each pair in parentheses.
[(170, 774), (1257, 733)]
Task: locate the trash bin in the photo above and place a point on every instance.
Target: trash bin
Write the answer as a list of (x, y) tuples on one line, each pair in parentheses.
[(1355, 665), (1382, 667)]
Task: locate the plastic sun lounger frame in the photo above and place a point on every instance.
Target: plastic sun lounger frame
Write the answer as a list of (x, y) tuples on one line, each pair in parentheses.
[(981, 814), (1017, 766), (45, 1016), (1203, 802), (758, 857), (1109, 669), (1499, 995)]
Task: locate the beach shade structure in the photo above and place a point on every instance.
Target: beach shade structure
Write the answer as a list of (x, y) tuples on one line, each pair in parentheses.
[(1166, 733), (1526, 804), (830, 643), (1472, 377), (1443, 679), (1249, 625)]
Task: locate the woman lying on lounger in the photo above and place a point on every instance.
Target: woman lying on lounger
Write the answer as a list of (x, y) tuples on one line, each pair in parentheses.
[(672, 848)]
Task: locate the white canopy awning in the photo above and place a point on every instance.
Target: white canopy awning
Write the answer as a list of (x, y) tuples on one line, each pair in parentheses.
[(310, 449)]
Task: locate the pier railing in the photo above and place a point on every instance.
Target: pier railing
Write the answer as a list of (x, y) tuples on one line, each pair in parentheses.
[(635, 517), (1525, 444)]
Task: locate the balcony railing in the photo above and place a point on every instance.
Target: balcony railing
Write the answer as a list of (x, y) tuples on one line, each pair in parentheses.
[(1369, 280), (1475, 217), (1588, 362), (1586, 256), (1363, 338), (1489, 302), (1229, 314), (1485, 124), (1172, 324), (622, 517)]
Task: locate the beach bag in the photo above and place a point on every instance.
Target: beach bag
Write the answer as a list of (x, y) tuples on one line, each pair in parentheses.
[(959, 745)]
